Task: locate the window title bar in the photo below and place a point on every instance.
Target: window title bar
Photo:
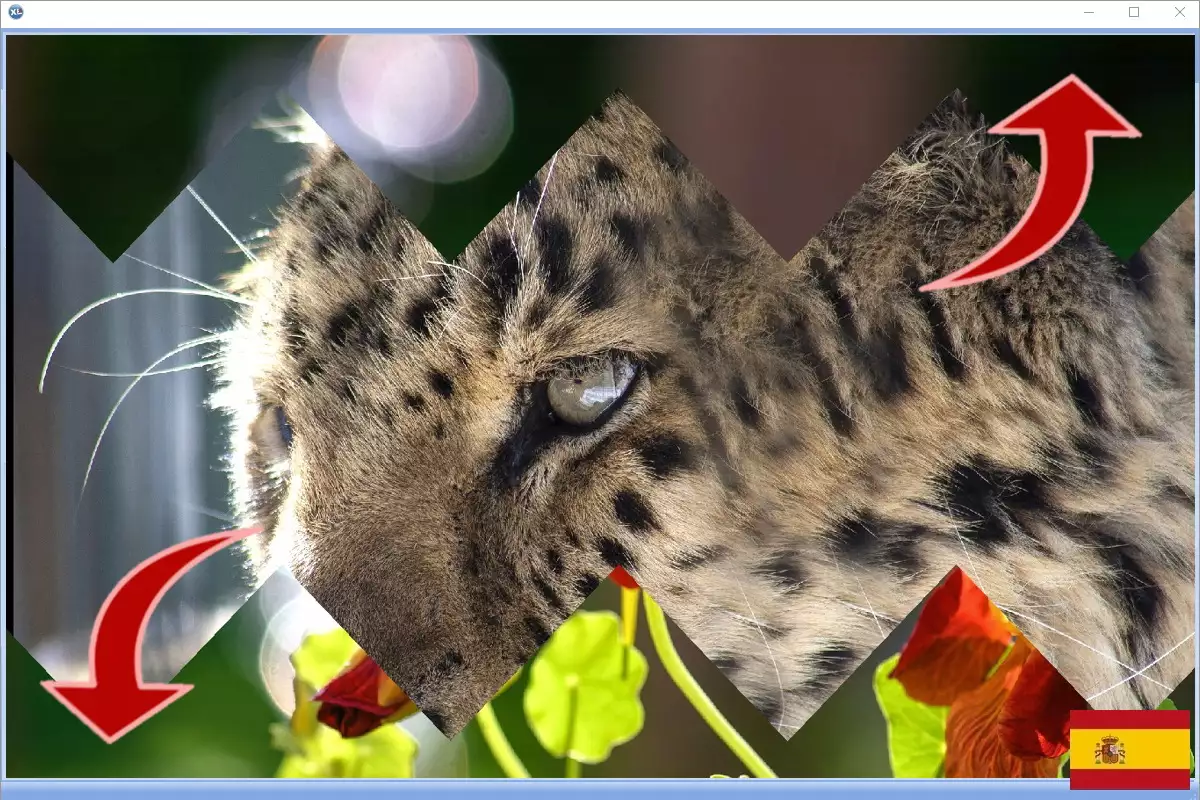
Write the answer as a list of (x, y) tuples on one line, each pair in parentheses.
[(636, 16)]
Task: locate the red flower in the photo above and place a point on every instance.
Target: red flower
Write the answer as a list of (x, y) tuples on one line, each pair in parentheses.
[(958, 638), (1006, 718), (1035, 720), (362, 698), (622, 578), (974, 746)]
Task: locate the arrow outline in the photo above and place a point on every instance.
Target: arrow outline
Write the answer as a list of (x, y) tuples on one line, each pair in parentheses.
[(1005, 127), (217, 541)]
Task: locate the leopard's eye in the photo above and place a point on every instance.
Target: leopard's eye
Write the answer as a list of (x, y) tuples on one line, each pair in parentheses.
[(271, 433), (283, 426), (585, 393)]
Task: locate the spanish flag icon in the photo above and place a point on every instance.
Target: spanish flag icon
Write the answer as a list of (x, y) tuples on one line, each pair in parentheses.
[(1131, 749)]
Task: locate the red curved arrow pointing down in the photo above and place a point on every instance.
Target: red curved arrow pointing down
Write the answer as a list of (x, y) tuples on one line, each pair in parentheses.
[(1067, 118), (115, 700)]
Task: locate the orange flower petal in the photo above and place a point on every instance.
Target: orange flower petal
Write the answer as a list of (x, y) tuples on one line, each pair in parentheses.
[(622, 578), (974, 748), (1036, 719), (958, 639), (360, 699), (389, 694)]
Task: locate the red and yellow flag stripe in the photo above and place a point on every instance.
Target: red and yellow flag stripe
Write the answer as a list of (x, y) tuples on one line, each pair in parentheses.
[(1152, 749)]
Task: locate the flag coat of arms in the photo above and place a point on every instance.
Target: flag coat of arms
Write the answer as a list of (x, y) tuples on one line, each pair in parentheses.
[(1131, 749)]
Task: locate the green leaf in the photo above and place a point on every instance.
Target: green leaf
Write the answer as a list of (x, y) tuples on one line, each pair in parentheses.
[(321, 656), (583, 697), (387, 752), (1063, 761), (324, 754), (284, 740), (916, 732)]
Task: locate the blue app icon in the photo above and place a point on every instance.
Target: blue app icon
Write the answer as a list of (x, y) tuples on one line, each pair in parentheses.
[(15, 12)]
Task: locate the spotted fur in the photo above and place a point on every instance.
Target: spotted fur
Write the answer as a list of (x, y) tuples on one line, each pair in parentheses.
[(809, 447)]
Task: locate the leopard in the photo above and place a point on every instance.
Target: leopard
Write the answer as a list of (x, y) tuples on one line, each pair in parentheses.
[(786, 455)]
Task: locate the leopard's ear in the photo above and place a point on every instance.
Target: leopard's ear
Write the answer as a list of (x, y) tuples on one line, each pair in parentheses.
[(245, 281), (296, 127)]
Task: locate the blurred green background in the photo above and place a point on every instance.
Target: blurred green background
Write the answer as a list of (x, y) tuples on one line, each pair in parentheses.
[(112, 128), (220, 728)]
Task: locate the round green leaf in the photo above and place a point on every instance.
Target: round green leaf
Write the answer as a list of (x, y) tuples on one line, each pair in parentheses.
[(387, 752), (321, 656), (916, 732), (583, 697)]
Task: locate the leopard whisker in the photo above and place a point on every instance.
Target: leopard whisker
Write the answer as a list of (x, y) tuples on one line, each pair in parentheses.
[(770, 654), (1085, 645), (110, 298), (448, 265), (168, 371), (233, 298), (1141, 673), (512, 237), (240, 244), (870, 608), (409, 278), (545, 188), (219, 516), (870, 612), (197, 342)]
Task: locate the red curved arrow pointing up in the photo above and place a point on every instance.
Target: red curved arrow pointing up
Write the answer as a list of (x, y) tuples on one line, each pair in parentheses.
[(1067, 118), (115, 700)]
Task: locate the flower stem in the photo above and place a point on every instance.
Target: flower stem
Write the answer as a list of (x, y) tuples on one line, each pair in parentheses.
[(656, 623), (573, 768), (497, 742), (629, 621), (629, 614)]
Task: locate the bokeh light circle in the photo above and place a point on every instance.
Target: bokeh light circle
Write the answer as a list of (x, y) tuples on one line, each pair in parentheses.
[(408, 92), (434, 107)]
